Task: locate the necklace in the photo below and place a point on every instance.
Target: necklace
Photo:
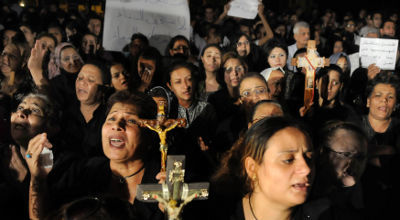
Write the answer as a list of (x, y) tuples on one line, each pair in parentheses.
[(251, 208), (122, 179)]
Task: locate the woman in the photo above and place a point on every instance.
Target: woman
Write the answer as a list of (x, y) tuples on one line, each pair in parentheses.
[(119, 75), (342, 157), (327, 105), (226, 100), (148, 71), (210, 66), (128, 149), (274, 77), (34, 115), (269, 172), (84, 116), (263, 109), (382, 131)]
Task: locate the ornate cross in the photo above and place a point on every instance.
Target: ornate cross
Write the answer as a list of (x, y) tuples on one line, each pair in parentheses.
[(162, 125), (175, 193), (311, 62)]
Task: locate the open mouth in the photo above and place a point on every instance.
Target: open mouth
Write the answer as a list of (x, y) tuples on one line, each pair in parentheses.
[(301, 186), (19, 126), (117, 142)]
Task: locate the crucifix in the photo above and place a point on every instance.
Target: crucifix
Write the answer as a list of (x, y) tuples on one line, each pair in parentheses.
[(162, 125), (311, 62), (175, 193)]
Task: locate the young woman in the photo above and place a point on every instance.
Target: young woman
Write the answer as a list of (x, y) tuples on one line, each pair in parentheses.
[(210, 66)]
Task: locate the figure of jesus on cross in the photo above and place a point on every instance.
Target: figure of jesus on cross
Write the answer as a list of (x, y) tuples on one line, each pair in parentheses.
[(162, 125), (311, 62)]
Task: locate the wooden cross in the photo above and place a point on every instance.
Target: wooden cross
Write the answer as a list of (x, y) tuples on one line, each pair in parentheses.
[(175, 193), (162, 125), (311, 62)]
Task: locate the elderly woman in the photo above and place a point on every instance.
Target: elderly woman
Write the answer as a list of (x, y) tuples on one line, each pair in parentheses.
[(128, 162), (342, 157), (267, 174), (381, 190), (226, 100), (34, 115)]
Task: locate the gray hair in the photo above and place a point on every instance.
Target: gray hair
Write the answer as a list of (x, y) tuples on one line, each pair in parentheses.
[(300, 24), (48, 107)]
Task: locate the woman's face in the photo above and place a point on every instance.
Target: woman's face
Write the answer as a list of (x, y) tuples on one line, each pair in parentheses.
[(253, 90), (70, 60), (146, 66), (382, 101), (338, 47), (28, 120), (347, 156), (283, 175), (243, 46), (86, 84), (334, 85), (275, 84), (277, 57), (211, 59), (118, 77), (342, 63), (233, 72), (48, 43), (180, 47), (10, 59), (181, 84), (121, 133)]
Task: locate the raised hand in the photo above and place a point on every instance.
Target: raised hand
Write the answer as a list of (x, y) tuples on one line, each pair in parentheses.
[(35, 147), (35, 61)]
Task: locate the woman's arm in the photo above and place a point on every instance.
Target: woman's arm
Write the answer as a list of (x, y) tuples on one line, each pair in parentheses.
[(35, 64), (268, 30)]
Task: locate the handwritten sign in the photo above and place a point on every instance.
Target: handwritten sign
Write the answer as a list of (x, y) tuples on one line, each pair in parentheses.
[(382, 52), (159, 20), (244, 9)]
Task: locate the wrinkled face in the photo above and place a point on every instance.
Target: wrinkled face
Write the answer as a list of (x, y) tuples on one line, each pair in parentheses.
[(86, 84), (389, 29), (70, 60), (118, 77), (211, 59), (7, 37), (253, 90), (382, 101), (120, 133), (48, 43), (28, 120), (266, 110), (302, 37), (283, 175), (181, 84), (233, 72), (135, 47), (377, 20), (180, 47), (342, 63), (89, 44), (94, 26), (338, 47), (56, 32), (146, 66), (347, 156), (334, 85), (277, 57), (350, 26), (10, 59), (275, 84), (243, 46), (29, 36)]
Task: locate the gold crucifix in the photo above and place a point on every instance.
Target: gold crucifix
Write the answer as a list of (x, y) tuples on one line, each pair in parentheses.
[(311, 62), (162, 125)]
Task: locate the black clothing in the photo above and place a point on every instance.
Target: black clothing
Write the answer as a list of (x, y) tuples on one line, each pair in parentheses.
[(223, 104), (62, 88)]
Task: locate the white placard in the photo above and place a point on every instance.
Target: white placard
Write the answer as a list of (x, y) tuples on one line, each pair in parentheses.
[(354, 62), (382, 52), (244, 9), (159, 20)]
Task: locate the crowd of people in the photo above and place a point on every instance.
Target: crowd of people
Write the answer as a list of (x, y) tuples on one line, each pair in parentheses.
[(71, 144)]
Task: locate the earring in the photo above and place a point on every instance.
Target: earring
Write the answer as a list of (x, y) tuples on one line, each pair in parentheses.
[(254, 178)]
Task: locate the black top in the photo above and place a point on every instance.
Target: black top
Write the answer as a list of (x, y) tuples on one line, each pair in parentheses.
[(74, 179), (223, 104)]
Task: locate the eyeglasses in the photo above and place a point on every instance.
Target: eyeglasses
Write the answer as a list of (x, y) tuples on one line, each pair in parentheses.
[(350, 25), (238, 69), (256, 91), (239, 44), (348, 155), (30, 111), (184, 48)]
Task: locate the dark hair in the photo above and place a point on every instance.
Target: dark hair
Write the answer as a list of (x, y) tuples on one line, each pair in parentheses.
[(237, 38), (105, 72), (46, 34), (254, 144), (272, 44), (146, 108), (384, 77), (149, 53), (141, 37), (260, 103), (323, 75), (90, 33), (253, 75), (201, 64), (227, 56), (172, 42)]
